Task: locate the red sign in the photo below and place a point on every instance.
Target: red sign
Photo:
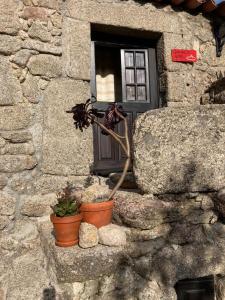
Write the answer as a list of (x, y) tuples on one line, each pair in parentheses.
[(184, 55)]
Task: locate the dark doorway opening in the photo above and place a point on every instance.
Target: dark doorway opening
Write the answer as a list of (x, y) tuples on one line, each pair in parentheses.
[(124, 70), (196, 289)]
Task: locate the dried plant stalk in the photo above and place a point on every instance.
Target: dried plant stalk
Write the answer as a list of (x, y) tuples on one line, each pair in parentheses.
[(125, 144)]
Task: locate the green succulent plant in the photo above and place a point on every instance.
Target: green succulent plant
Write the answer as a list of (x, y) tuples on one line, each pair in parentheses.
[(67, 204)]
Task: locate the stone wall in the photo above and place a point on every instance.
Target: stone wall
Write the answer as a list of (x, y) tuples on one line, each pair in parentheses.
[(44, 70)]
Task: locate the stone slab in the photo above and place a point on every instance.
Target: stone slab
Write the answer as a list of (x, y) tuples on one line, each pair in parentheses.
[(76, 264), (9, 22), (11, 90), (66, 151), (41, 47), (9, 44), (76, 49), (15, 117), (180, 149), (119, 14), (16, 163), (45, 65)]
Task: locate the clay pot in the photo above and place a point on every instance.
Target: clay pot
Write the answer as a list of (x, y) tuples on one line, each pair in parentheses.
[(97, 214), (66, 229), (209, 6), (193, 4)]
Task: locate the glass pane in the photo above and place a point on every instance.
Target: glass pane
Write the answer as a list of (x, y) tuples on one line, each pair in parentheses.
[(141, 93), (129, 75), (140, 59), (129, 59), (130, 93), (140, 76)]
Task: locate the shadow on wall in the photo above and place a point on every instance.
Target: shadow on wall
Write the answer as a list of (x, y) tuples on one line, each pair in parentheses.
[(49, 293), (215, 94), (193, 248)]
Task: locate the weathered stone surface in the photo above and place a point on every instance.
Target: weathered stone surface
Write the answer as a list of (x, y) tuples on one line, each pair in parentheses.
[(39, 31), (39, 13), (220, 202), (7, 204), (95, 192), (22, 237), (41, 47), (38, 205), (147, 212), (9, 22), (2, 142), (22, 57), (112, 235), (134, 234), (73, 264), (53, 4), (143, 17), (63, 145), (88, 235), (186, 87), (178, 150), (57, 20), (3, 181), (76, 40), (153, 291), (11, 90), (185, 233), (4, 222), (16, 163), (17, 137), (9, 44), (31, 90), (28, 277), (17, 149), (49, 183), (14, 118), (175, 262), (46, 65)]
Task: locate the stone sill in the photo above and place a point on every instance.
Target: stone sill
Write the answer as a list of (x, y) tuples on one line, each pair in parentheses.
[(77, 264)]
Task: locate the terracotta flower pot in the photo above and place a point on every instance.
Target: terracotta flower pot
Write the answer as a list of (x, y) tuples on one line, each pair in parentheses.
[(98, 214), (209, 6), (193, 4), (66, 229)]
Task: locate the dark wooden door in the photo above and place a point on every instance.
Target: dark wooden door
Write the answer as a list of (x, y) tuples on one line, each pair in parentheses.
[(139, 93)]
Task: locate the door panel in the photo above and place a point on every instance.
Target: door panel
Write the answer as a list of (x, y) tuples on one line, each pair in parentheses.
[(137, 84)]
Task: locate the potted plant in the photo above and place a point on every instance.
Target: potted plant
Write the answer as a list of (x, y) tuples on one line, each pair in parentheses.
[(99, 213), (66, 218)]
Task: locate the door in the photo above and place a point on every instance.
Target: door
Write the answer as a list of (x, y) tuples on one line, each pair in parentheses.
[(127, 76)]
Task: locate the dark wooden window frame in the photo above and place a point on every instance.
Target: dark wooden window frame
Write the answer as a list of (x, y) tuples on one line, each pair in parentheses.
[(152, 72)]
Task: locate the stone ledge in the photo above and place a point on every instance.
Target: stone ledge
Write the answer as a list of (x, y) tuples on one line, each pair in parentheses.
[(76, 264)]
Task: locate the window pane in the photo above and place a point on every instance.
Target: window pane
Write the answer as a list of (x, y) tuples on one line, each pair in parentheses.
[(140, 59), (131, 93), (141, 93), (140, 76), (129, 75), (129, 59)]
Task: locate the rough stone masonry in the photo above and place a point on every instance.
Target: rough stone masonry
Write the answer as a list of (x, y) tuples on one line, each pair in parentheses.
[(173, 230)]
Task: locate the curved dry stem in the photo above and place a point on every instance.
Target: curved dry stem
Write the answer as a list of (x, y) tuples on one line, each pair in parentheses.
[(125, 147), (112, 133)]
